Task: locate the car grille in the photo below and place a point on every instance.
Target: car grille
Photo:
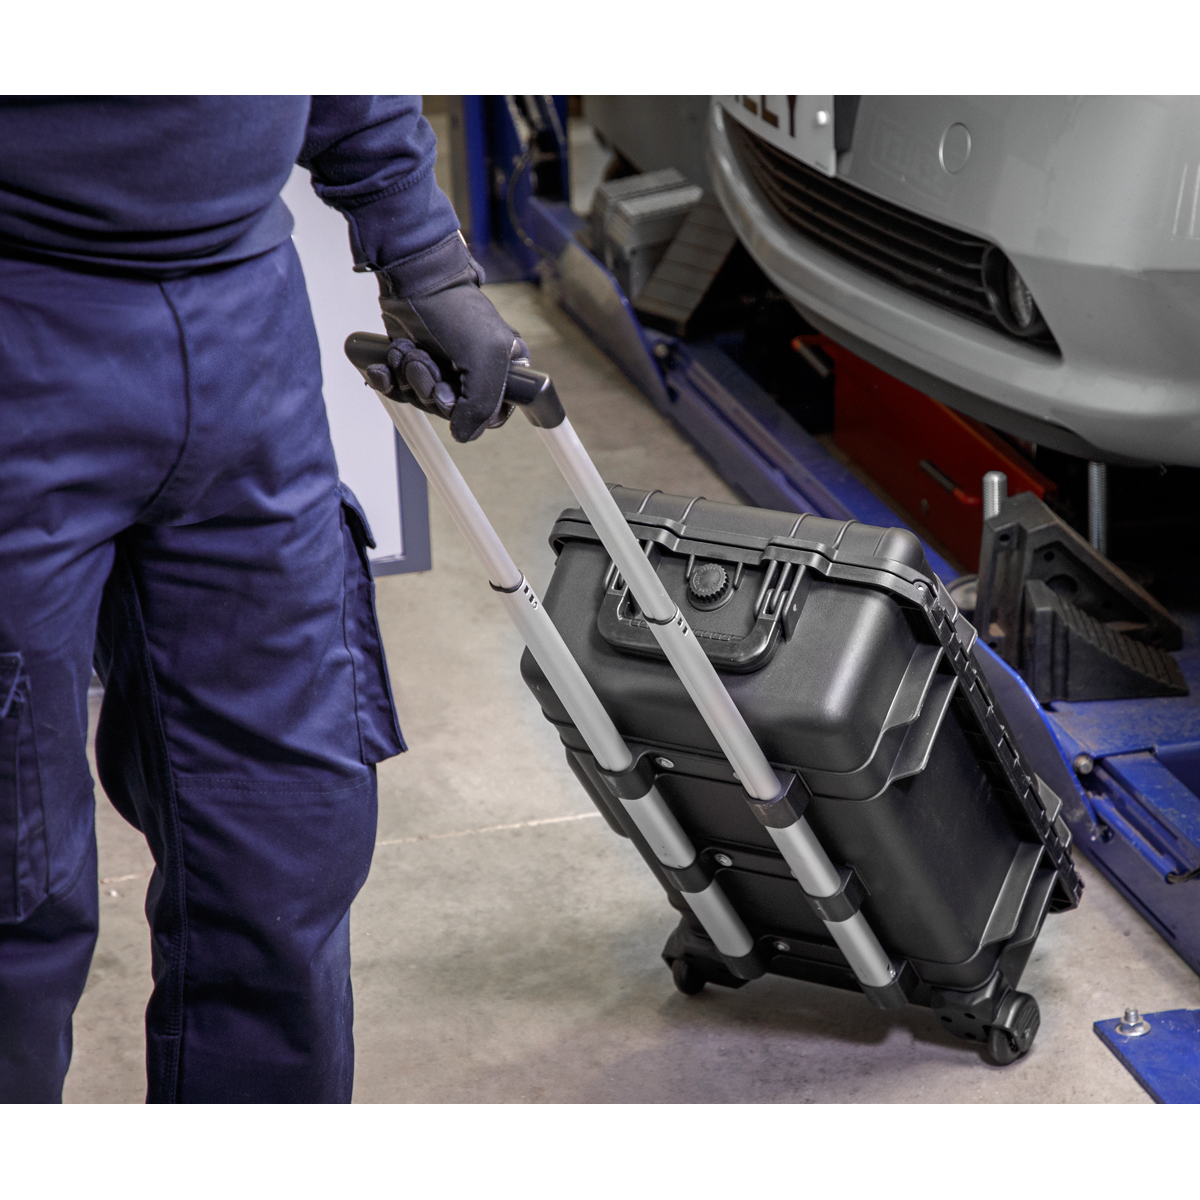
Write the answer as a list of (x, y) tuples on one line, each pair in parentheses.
[(923, 257)]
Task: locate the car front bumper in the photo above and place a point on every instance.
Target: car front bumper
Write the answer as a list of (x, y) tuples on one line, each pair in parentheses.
[(1096, 401)]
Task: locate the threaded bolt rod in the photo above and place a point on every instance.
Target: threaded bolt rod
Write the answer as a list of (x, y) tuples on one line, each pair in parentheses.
[(995, 492), (1098, 506)]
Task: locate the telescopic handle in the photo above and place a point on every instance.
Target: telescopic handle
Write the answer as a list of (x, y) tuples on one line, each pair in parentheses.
[(665, 839)]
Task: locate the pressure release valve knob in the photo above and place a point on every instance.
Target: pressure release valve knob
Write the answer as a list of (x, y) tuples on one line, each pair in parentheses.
[(708, 581)]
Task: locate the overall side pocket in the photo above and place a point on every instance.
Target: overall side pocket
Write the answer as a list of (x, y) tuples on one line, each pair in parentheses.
[(23, 866), (378, 727)]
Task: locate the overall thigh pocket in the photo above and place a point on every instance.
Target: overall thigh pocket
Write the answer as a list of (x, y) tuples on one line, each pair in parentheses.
[(378, 729), (23, 868)]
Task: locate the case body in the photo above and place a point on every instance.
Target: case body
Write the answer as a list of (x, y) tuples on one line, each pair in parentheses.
[(854, 672)]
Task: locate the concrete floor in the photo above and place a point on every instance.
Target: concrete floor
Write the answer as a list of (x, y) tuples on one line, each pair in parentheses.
[(506, 943)]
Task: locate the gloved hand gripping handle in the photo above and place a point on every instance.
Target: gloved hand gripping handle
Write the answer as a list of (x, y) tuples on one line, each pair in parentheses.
[(530, 390), (769, 798)]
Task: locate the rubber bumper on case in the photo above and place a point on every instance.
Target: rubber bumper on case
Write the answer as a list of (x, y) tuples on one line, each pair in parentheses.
[(636, 780), (845, 902), (749, 966), (786, 809)]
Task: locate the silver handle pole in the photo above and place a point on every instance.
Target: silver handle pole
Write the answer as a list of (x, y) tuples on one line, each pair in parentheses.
[(806, 858), (526, 611), (449, 484), (649, 812)]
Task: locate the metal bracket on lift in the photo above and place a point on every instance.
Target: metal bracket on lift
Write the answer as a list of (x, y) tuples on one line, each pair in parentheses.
[(1073, 624)]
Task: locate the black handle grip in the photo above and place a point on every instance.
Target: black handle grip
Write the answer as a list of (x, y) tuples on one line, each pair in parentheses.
[(531, 391), (366, 349)]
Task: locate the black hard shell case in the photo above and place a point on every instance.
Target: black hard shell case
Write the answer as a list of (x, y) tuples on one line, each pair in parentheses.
[(855, 672)]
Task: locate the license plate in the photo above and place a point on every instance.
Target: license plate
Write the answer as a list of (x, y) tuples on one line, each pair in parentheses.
[(801, 126)]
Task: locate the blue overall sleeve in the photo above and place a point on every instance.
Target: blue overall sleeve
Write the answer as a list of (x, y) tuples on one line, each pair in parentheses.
[(371, 158)]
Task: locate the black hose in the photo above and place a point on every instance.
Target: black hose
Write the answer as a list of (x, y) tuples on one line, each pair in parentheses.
[(1183, 876), (523, 164)]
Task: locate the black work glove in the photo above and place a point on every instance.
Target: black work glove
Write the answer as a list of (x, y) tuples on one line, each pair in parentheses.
[(450, 347)]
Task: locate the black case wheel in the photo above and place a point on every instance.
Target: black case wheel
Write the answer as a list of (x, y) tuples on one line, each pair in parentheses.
[(687, 977), (1015, 1028)]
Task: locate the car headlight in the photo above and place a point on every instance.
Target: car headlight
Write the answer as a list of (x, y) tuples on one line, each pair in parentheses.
[(1009, 295)]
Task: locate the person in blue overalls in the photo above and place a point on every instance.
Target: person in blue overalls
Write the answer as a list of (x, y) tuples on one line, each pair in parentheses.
[(170, 511)]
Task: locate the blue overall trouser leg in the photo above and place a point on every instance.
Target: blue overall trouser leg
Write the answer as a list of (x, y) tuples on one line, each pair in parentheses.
[(169, 508)]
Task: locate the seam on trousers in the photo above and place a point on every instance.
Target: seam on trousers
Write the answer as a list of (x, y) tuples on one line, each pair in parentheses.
[(152, 503), (174, 839), (37, 765)]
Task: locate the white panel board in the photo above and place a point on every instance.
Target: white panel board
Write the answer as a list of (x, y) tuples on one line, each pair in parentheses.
[(343, 302)]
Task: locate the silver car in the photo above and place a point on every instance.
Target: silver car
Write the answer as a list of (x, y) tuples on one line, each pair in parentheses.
[(1032, 262)]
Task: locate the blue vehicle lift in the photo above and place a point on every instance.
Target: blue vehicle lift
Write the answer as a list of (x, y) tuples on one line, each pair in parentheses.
[(1128, 770), (1164, 1057), (506, 139)]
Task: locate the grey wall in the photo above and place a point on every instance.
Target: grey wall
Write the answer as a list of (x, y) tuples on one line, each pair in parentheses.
[(654, 131)]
